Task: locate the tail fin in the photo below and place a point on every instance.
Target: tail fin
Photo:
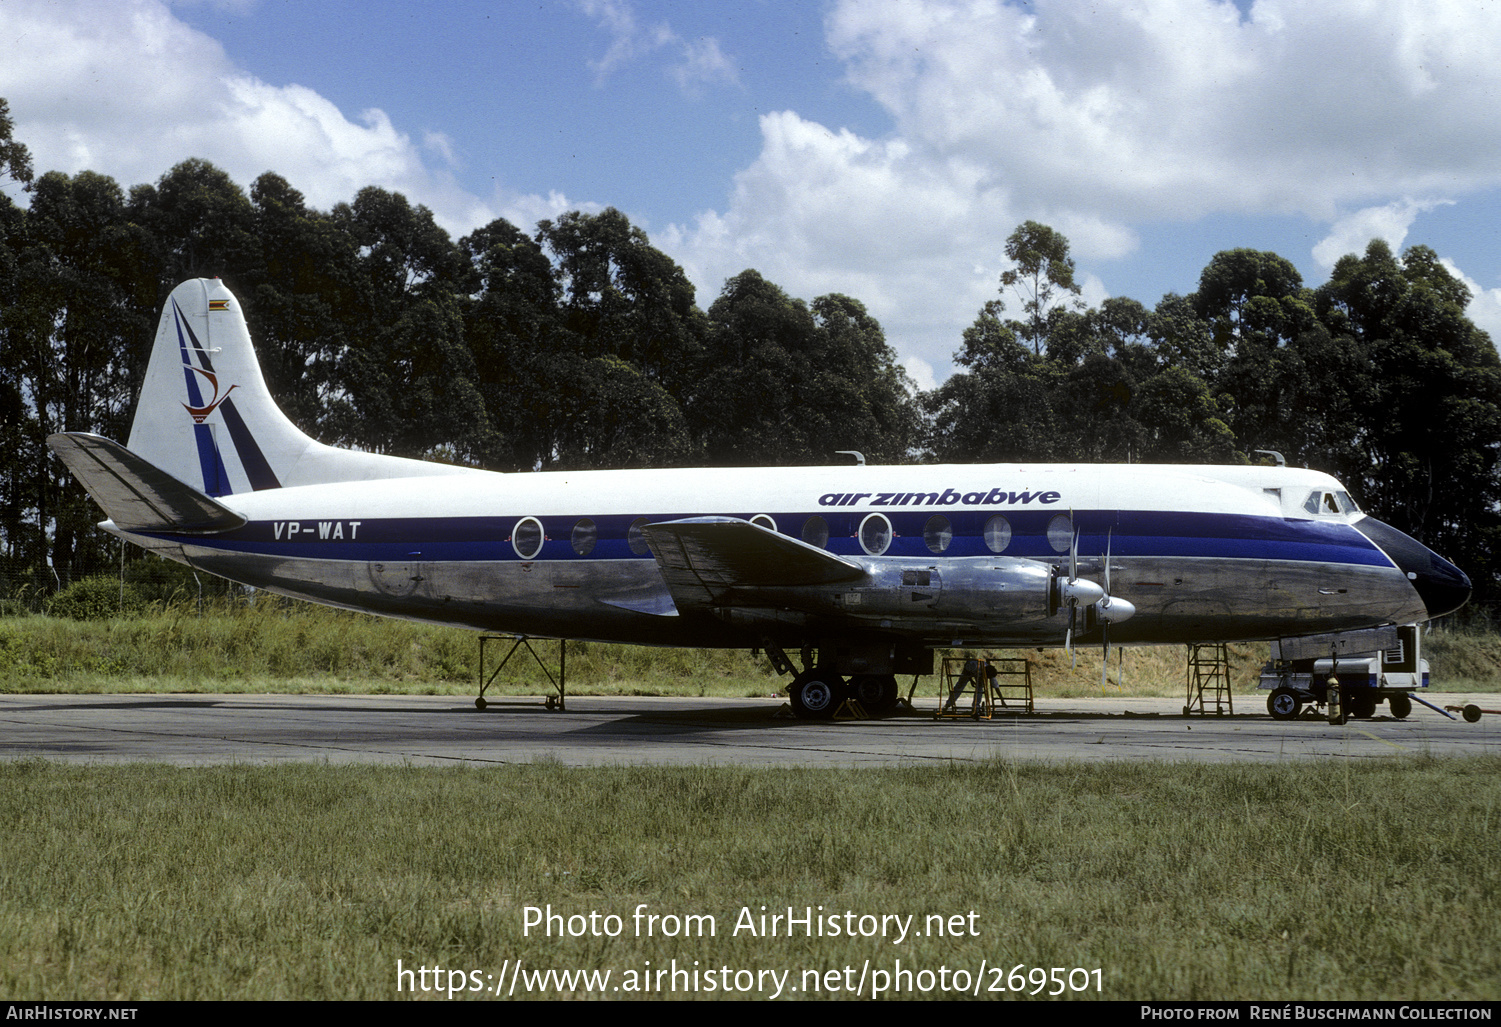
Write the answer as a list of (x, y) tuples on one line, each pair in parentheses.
[(205, 414)]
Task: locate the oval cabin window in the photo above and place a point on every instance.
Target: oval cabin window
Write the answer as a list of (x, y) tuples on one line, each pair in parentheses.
[(585, 534), (636, 538), (875, 534), (938, 533), (816, 531), (997, 534), (526, 538)]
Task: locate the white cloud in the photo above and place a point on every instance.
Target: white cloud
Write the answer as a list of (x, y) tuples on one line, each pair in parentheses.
[(703, 63), (921, 373), (822, 211), (1094, 118), (698, 62), (1485, 305), (1179, 108), (123, 86), (1389, 222)]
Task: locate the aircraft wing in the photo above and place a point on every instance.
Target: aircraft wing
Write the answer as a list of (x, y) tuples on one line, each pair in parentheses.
[(137, 495), (703, 557)]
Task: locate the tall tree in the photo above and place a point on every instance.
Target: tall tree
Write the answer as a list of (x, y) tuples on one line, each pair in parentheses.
[(406, 376), (84, 291), (522, 351), (201, 222), (1430, 427), (300, 297), (785, 383), (622, 297), (1043, 275), (15, 158)]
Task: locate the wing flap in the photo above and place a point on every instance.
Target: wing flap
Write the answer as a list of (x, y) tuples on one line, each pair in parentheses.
[(137, 495), (702, 558)]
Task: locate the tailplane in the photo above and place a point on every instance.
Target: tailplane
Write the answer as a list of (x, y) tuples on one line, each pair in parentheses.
[(136, 495), (206, 417)]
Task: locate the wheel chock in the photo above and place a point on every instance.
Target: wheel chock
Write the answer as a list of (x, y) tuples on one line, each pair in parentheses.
[(851, 709)]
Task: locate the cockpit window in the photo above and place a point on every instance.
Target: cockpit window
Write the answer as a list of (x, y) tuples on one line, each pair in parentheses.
[(1330, 503)]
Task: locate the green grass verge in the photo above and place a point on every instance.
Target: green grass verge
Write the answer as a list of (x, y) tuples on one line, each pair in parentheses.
[(282, 646), (1315, 881)]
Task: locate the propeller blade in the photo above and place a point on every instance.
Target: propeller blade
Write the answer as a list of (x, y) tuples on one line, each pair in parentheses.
[(1108, 535), (1068, 636), (1073, 550), (1105, 661), (1104, 617)]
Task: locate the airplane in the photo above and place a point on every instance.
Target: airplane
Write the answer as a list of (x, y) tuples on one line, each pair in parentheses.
[(864, 570)]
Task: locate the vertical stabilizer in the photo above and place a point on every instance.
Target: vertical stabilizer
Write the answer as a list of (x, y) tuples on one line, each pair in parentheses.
[(206, 417)]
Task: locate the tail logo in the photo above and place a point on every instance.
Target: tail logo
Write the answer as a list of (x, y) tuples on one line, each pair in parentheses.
[(200, 413)]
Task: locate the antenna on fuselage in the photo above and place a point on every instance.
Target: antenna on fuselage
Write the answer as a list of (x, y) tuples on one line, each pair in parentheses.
[(1273, 454), (859, 456)]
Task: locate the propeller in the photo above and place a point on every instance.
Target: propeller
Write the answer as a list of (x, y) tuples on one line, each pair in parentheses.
[(1110, 609), (1076, 592)]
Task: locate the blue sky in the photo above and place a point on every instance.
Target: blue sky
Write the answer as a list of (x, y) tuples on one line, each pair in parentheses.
[(880, 148)]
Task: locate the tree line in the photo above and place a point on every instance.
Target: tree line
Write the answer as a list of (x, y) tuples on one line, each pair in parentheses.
[(580, 345)]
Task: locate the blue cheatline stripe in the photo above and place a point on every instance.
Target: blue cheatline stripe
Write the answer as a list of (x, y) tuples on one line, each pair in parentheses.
[(1215, 536)]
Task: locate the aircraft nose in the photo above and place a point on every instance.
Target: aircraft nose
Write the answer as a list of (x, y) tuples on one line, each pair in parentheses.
[(1442, 586)]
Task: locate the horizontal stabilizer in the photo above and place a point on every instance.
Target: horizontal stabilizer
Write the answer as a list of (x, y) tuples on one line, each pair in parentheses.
[(703, 557), (136, 495)]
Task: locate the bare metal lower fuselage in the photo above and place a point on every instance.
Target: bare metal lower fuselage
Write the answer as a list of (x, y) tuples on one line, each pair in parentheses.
[(994, 601)]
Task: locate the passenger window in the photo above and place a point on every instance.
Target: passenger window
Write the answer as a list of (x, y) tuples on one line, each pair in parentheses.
[(636, 539), (875, 534), (1060, 533), (938, 533), (816, 532), (585, 534), (526, 537), (997, 534)]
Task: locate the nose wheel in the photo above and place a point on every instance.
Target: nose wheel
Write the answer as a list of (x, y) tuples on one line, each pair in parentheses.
[(1284, 704)]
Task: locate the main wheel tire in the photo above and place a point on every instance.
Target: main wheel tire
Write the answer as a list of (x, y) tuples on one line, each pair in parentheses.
[(877, 693), (1362, 704), (1399, 705), (815, 694), (1284, 704)]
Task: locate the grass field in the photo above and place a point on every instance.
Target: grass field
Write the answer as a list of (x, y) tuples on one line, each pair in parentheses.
[(1143, 881), (1174, 881), (283, 646)]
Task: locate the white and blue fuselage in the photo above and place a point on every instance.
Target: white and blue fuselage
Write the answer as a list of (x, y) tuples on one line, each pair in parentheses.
[(854, 557)]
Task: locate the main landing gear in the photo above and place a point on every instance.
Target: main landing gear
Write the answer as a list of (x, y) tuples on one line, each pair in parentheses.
[(817, 693)]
